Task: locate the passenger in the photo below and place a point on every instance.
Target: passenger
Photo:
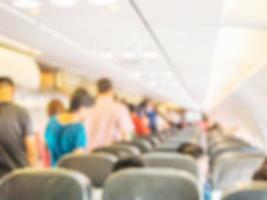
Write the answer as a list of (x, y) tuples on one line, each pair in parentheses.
[(191, 149), (110, 121), (55, 107), (17, 142), (140, 122), (149, 108), (197, 153), (261, 174), (65, 132), (162, 123), (127, 163), (183, 123), (204, 124), (173, 117)]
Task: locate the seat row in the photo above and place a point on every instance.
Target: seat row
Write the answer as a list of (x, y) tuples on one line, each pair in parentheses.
[(131, 184), (180, 181)]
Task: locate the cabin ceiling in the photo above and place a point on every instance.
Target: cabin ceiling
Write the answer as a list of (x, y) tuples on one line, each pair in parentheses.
[(163, 49)]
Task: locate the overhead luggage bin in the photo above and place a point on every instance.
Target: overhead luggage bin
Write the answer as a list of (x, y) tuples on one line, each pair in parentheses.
[(31, 184), (19, 67), (247, 191), (97, 167), (151, 184)]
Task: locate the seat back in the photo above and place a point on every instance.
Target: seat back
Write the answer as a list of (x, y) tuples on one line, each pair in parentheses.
[(142, 144), (167, 148), (120, 150), (247, 191), (229, 146), (97, 167), (232, 168), (151, 184), (171, 160), (32, 184)]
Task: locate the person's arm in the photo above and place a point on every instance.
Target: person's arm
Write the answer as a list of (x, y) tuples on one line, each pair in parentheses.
[(31, 150), (125, 124), (28, 138)]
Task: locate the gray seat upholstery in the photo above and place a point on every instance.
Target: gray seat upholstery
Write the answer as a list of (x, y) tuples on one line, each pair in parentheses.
[(171, 160), (120, 150), (247, 191), (167, 148), (232, 168), (230, 146), (142, 144), (97, 167), (31, 184), (155, 141), (151, 184)]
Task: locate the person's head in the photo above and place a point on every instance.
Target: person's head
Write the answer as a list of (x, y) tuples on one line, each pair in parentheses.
[(132, 108), (260, 175), (191, 149), (104, 86), (205, 118), (127, 163), (81, 101), (7, 89), (148, 105), (55, 107)]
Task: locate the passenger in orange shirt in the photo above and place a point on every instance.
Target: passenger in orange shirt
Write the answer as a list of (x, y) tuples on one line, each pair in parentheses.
[(140, 121)]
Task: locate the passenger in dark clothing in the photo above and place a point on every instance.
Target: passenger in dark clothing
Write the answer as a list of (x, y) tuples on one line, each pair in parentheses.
[(17, 144), (128, 163)]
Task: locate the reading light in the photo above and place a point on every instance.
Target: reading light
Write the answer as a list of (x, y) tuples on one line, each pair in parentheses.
[(103, 2), (27, 4), (64, 3)]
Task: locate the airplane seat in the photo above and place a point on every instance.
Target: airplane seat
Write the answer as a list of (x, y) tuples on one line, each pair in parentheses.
[(232, 168), (247, 191), (31, 184), (166, 148), (153, 141), (133, 150), (231, 146), (142, 144), (171, 160), (120, 150), (151, 184), (222, 139), (97, 166)]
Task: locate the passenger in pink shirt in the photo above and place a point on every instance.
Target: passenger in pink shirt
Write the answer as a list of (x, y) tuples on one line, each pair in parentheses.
[(109, 120)]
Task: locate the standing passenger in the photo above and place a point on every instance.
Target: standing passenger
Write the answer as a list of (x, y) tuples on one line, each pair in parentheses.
[(55, 107), (109, 121), (65, 132), (17, 143), (149, 108)]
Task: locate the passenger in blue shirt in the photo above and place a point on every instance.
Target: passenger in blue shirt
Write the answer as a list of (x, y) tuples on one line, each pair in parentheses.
[(151, 114), (65, 132)]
